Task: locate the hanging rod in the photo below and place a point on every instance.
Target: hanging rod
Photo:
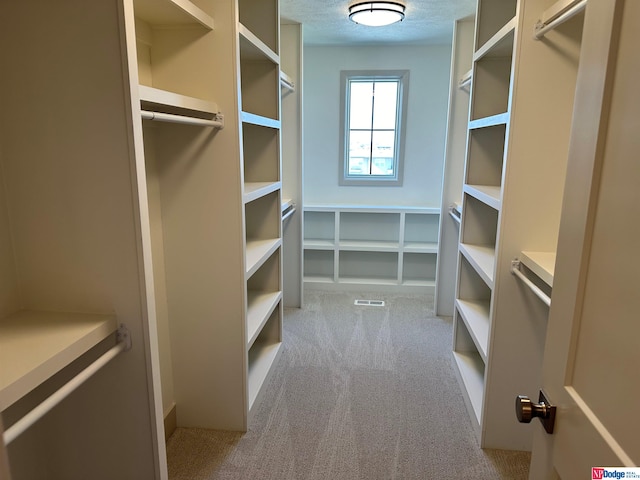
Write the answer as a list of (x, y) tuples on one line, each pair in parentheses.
[(465, 80), (515, 269), (455, 213), (124, 343), (168, 117), (287, 82), (575, 7)]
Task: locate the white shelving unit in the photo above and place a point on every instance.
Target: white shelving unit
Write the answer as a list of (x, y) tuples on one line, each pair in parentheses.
[(213, 197), (350, 246), (512, 194), (71, 248)]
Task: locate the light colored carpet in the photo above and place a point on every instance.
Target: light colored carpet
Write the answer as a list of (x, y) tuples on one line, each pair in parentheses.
[(358, 393)]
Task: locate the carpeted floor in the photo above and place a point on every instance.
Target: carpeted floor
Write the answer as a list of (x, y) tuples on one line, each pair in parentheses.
[(359, 392)]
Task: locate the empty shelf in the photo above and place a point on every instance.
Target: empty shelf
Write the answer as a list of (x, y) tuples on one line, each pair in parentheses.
[(475, 315), (171, 12), (36, 345), (541, 263), (482, 259)]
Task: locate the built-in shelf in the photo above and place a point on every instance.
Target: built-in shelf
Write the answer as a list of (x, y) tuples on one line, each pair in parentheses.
[(255, 190), (482, 258), (252, 48), (151, 97), (318, 244), (371, 246), (260, 120), (475, 314), (471, 371), (541, 263), (491, 121), (260, 305), (500, 45), (367, 246), (36, 345), (420, 247), (172, 13), (258, 251), (487, 194)]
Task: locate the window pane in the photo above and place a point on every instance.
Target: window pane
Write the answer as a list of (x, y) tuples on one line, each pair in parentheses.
[(361, 105), (384, 113), (359, 153), (383, 152)]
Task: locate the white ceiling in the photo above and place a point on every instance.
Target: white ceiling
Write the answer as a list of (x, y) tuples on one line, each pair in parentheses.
[(326, 22)]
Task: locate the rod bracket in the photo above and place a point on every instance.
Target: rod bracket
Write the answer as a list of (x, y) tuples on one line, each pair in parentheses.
[(219, 117), (123, 336)]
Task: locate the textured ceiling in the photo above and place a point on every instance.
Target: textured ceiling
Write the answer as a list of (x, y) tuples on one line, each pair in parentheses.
[(326, 22)]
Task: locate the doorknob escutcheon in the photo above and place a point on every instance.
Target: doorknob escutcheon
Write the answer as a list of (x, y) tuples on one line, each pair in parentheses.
[(526, 410)]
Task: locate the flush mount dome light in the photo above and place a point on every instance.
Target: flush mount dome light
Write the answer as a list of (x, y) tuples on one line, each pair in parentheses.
[(376, 14)]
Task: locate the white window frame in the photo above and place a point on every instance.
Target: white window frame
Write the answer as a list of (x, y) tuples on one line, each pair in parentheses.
[(346, 77)]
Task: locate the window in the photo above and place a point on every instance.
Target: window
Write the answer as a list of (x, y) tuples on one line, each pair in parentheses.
[(372, 127)]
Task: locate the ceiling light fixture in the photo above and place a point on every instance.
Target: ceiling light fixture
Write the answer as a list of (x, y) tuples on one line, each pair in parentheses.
[(376, 14)]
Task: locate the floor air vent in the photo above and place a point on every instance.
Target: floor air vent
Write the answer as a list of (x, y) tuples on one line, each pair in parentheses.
[(370, 303)]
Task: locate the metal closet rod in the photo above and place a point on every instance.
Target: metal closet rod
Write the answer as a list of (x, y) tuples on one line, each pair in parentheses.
[(22, 425), (542, 28), (168, 117), (515, 269)]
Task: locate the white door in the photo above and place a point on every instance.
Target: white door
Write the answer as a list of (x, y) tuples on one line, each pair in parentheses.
[(592, 352)]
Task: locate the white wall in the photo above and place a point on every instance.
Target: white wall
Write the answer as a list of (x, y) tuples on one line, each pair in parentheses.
[(426, 122)]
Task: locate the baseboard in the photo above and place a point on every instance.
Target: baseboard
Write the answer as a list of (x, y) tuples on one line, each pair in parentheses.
[(170, 422)]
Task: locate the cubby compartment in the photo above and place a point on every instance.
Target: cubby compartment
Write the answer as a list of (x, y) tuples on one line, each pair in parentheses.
[(485, 156), (479, 223), (260, 80), (473, 305), (319, 230), (263, 295), (261, 154), (471, 369), (262, 354), (262, 18), (372, 267), (360, 230), (421, 232), (492, 74), (318, 266), (263, 223), (493, 15), (173, 37), (478, 236), (419, 269)]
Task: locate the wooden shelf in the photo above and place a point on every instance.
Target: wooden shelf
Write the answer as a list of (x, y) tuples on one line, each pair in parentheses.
[(471, 372), (252, 48), (156, 97), (367, 246), (492, 121), (255, 190), (318, 244), (260, 120), (541, 263), (500, 45), (475, 315), (350, 208), (482, 259), (420, 247), (487, 194), (172, 13), (260, 305), (258, 251), (36, 345)]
